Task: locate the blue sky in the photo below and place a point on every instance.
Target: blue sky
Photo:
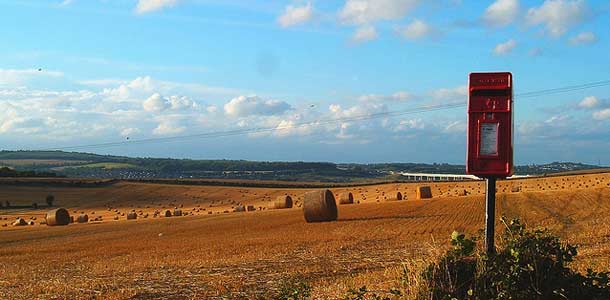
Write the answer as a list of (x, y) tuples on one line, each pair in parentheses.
[(86, 72)]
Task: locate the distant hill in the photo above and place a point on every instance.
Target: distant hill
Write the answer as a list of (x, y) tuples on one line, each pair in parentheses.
[(77, 164), (9, 172)]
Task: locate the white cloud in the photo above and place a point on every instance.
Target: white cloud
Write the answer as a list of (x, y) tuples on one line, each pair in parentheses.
[(133, 90), (344, 132), (70, 115), (8, 117), (155, 103), (406, 125), (355, 131), (212, 109), (558, 119), (589, 102), (398, 96), (146, 6), (295, 15), (364, 33), (603, 114), (48, 115), (126, 132), (369, 11), (415, 30), (167, 127), (528, 128), (452, 94), (558, 16), (294, 126), (505, 48), (21, 76), (181, 103), (455, 127), (334, 108), (584, 38), (142, 87), (244, 106), (501, 13), (363, 109)]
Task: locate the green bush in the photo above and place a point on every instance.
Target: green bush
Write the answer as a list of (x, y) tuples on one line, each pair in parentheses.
[(531, 264)]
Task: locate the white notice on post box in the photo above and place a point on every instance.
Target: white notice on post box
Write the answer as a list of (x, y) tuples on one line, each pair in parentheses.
[(489, 139)]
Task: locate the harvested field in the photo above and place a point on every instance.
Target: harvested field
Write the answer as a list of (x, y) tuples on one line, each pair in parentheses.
[(205, 255)]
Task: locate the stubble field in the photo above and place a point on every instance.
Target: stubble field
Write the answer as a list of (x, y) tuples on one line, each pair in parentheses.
[(213, 254)]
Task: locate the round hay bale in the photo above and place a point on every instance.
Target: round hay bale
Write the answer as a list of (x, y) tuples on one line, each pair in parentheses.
[(177, 212), (58, 217), (132, 215), (398, 196), (319, 206), (20, 222), (82, 219), (346, 198), (424, 192), (282, 202), (168, 213)]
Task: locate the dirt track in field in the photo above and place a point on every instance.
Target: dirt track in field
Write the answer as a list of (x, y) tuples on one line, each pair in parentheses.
[(204, 256)]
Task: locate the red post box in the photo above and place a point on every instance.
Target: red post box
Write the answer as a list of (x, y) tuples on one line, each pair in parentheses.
[(490, 125)]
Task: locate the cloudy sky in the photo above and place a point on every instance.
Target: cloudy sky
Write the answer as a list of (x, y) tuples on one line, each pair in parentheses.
[(326, 75)]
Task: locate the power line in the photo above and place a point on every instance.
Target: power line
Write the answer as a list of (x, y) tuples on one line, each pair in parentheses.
[(564, 89), (388, 114)]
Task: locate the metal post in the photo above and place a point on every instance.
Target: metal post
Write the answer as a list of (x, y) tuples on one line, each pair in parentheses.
[(490, 214)]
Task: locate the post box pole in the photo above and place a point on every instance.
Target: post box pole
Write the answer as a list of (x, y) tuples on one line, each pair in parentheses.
[(490, 214)]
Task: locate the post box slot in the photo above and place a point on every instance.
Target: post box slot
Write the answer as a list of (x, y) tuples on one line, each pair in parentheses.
[(490, 93)]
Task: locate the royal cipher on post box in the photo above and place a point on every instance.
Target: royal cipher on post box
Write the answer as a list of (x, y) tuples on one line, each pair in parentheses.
[(490, 125)]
